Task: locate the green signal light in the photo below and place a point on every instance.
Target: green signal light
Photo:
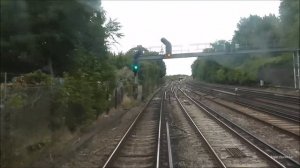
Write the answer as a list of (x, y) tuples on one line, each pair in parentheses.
[(135, 67)]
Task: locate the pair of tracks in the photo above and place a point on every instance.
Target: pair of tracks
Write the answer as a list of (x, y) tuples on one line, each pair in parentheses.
[(273, 155), (289, 99), (288, 127), (283, 106), (146, 143)]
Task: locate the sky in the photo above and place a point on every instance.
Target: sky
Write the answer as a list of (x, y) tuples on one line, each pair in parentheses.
[(189, 25)]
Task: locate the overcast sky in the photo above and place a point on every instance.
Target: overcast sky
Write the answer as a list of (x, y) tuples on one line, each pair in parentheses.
[(183, 23)]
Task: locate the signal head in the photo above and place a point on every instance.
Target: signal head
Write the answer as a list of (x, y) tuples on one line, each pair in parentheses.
[(135, 68)]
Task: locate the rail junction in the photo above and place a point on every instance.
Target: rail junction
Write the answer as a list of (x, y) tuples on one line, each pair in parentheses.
[(188, 124)]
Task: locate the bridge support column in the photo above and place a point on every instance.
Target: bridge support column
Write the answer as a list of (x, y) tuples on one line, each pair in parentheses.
[(296, 66)]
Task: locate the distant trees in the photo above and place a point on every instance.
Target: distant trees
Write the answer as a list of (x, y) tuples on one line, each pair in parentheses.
[(289, 17), (219, 46), (210, 71), (257, 32), (253, 32), (270, 31)]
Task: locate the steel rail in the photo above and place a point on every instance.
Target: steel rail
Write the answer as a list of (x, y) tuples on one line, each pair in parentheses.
[(261, 120), (263, 94), (170, 158), (293, 109), (110, 158), (159, 130), (280, 159), (220, 162), (268, 93), (290, 117), (264, 108)]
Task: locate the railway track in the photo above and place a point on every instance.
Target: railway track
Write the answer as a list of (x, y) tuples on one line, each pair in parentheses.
[(285, 126), (271, 96), (287, 98), (189, 149), (213, 153), (146, 143), (277, 158), (290, 113), (254, 93)]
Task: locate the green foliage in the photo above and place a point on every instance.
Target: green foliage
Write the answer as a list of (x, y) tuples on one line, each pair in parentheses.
[(120, 60), (214, 69), (257, 32), (279, 61), (254, 63), (210, 71), (220, 45), (65, 38), (150, 73), (37, 78), (270, 31), (253, 32), (112, 28), (132, 51), (289, 16), (40, 34), (86, 91)]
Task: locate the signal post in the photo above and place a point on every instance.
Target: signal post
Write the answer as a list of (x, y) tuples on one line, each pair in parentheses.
[(135, 67)]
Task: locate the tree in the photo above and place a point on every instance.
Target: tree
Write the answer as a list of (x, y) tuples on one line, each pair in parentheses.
[(48, 33), (255, 32), (134, 49), (112, 30), (16, 39), (289, 16), (220, 45)]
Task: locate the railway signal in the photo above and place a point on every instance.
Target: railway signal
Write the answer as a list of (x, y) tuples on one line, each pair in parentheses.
[(135, 68)]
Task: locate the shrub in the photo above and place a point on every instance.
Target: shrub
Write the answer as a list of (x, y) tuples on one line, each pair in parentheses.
[(85, 92), (37, 78)]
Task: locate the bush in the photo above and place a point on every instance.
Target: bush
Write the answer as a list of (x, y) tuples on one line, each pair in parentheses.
[(85, 93)]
